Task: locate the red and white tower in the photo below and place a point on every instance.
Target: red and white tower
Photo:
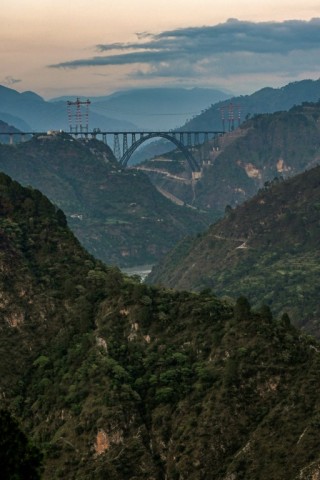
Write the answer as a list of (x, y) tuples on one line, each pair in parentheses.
[(78, 115)]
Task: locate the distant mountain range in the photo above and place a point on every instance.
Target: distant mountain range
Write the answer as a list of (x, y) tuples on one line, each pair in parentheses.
[(267, 249), (29, 111), (266, 100), (153, 109), (156, 108)]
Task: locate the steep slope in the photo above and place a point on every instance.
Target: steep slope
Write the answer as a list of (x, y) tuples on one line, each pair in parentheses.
[(117, 214), (267, 249), (236, 165), (118, 380)]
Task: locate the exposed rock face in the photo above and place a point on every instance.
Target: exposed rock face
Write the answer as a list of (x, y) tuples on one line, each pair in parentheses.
[(102, 442), (281, 166), (101, 342), (252, 171), (15, 319), (105, 440)]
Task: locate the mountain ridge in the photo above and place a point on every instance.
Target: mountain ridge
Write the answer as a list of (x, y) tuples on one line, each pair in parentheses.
[(265, 100), (41, 115)]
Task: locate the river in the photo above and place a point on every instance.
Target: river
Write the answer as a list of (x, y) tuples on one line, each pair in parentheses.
[(141, 270)]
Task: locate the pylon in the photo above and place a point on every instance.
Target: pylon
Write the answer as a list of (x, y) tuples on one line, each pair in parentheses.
[(76, 116)]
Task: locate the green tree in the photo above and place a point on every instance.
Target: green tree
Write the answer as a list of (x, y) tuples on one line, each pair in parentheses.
[(242, 308)]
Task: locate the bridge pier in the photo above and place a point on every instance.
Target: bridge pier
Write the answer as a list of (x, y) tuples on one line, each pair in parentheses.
[(124, 143), (116, 146)]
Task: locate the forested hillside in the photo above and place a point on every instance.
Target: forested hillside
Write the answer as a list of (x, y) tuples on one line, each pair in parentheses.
[(267, 249), (117, 214), (114, 379), (238, 164)]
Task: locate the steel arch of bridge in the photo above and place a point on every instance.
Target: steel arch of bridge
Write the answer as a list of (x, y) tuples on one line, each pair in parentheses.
[(168, 136)]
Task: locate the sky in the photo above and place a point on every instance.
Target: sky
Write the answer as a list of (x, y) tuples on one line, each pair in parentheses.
[(97, 47)]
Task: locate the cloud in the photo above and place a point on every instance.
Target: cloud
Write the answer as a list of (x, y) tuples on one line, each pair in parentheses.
[(224, 49), (10, 80)]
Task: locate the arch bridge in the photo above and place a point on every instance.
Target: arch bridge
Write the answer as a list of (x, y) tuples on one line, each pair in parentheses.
[(124, 144)]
